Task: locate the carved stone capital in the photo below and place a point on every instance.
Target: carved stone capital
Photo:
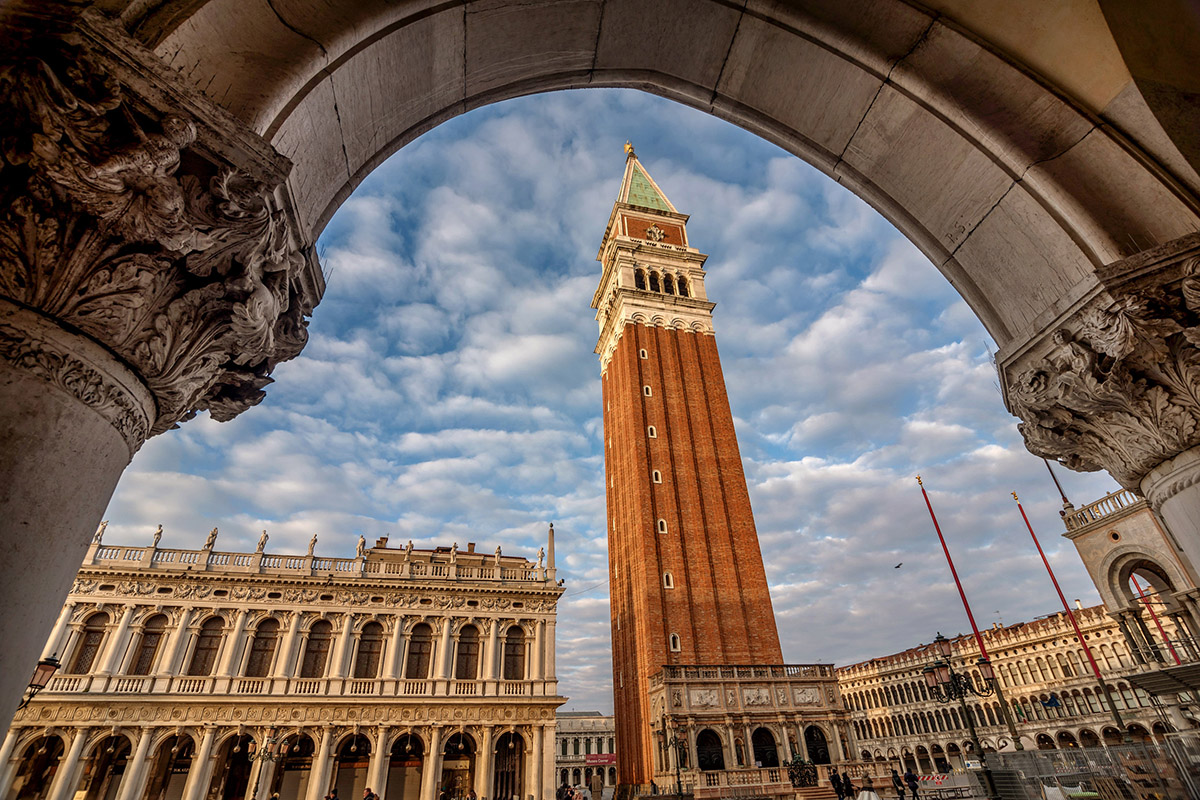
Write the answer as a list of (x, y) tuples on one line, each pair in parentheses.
[(139, 217), (1115, 384)]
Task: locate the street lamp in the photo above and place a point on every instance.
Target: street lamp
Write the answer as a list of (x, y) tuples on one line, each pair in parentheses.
[(946, 686), (269, 753), (673, 738), (42, 674)]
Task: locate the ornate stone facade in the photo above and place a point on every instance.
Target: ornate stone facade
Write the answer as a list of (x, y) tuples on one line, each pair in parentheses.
[(404, 670), (586, 745), (1045, 677)]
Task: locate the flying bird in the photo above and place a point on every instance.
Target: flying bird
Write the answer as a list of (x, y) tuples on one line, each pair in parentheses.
[(898, 566)]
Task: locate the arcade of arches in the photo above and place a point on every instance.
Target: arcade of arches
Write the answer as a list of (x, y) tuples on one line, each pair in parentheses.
[(169, 164)]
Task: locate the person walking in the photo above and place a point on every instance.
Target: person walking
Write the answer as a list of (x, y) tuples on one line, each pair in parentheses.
[(847, 786), (911, 780), (898, 785), (836, 782)]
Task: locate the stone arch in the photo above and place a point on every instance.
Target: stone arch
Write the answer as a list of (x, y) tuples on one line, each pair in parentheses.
[(1123, 561)]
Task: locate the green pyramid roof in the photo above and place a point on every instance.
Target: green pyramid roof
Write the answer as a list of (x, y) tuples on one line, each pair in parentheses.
[(642, 191)]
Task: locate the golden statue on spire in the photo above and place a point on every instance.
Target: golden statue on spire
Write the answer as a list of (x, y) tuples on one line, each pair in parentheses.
[(629, 149)]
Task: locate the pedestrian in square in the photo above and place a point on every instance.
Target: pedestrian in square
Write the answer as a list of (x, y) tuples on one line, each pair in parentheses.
[(898, 785)]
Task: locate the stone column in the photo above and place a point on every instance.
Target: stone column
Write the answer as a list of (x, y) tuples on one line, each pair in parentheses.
[(63, 784), (392, 664), (432, 773), (443, 654), (537, 773), (337, 668), (287, 650), (490, 656), (551, 667), (318, 776), (115, 646), (230, 656), (131, 782), (152, 269), (1115, 384), (1135, 648), (538, 668), (54, 645), (199, 775), (485, 762), (381, 757), (8, 764)]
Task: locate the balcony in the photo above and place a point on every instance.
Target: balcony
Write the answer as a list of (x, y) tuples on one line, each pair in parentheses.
[(1105, 507)]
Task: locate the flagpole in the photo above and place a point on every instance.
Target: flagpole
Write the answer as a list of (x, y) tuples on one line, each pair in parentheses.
[(1154, 617), (1004, 709), (1075, 624)]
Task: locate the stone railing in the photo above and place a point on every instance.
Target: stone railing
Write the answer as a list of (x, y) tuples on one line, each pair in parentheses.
[(1104, 507), (420, 565), (746, 672), (90, 686)]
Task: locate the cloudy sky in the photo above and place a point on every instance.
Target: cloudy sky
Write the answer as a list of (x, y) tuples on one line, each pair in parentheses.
[(449, 391)]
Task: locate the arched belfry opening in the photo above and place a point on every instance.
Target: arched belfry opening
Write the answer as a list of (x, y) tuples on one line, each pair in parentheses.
[(1050, 212)]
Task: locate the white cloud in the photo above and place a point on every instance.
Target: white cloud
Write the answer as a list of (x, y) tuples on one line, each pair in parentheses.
[(449, 391)]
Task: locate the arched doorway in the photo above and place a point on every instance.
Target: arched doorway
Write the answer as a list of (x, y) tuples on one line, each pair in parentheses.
[(168, 769), (458, 765), (940, 764), (350, 771), (1088, 738), (509, 770), (710, 754), (954, 755), (766, 754), (231, 775), (1045, 742), (1066, 739), (816, 745), (39, 762), (405, 768), (294, 768), (104, 769)]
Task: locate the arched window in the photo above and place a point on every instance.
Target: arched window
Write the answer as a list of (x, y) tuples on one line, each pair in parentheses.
[(576, 741), (466, 662), (654, 282), (668, 284), (651, 432), (639, 279), (316, 651), (656, 476), (370, 651), (662, 526), (587, 746), (682, 286), (204, 657), (514, 654), (668, 580), (564, 750), (89, 643), (611, 746), (152, 635), (646, 390), (642, 354), (420, 652), (262, 651), (766, 754), (676, 645)]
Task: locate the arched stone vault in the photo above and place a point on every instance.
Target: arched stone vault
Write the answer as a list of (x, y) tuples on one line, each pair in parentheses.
[(1043, 160)]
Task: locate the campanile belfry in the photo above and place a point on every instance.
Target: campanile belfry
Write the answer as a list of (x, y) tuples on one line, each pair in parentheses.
[(687, 580)]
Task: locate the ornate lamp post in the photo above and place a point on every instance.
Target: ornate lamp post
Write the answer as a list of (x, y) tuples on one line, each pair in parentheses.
[(946, 686), (269, 753), (42, 674), (673, 738)]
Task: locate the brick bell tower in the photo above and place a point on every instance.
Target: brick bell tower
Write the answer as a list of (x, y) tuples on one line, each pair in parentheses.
[(687, 580)]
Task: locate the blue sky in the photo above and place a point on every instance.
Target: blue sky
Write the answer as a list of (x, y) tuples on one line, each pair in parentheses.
[(449, 391)]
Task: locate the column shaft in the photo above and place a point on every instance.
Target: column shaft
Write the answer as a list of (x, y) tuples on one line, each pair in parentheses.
[(63, 784), (115, 647), (135, 772), (230, 662), (391, 664), (318, 776), (536, 774), (443, 655), (283, 663), (432, 772), (338, 668), (196, 785), (8, 764), (57, 638), (172, 663), (484, 764)]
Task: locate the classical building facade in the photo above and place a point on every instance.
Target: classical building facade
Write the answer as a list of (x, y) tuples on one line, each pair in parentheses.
[(696, 654), (209, 675), (586, 745)]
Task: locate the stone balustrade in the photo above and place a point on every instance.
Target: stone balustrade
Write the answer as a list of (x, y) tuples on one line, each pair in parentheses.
[(380, 562), (735, 672), (151, 685), (1106, 506)]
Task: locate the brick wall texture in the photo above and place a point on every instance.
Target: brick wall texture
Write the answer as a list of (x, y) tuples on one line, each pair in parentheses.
[(719, 607)]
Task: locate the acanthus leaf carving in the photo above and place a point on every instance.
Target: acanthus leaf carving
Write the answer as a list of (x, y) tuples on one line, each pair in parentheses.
[(115, 225), (1121, 392)]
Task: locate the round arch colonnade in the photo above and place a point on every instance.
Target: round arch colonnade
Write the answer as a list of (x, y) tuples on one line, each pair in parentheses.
[(170, 163), (217, 762)]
